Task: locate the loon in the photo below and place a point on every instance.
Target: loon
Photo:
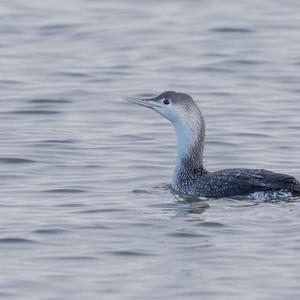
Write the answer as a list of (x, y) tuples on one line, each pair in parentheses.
[(190, 177)]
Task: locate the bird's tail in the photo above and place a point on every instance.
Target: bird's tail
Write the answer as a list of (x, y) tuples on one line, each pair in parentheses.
[(296, 188)]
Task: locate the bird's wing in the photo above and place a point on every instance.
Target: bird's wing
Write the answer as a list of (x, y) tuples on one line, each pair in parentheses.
[(245, 181)]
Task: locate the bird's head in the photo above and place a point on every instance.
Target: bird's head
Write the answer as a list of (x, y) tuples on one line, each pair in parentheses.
[(176, 107)]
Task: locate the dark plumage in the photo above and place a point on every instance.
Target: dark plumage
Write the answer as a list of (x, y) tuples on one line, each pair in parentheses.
[(233, 182), (190, 177)]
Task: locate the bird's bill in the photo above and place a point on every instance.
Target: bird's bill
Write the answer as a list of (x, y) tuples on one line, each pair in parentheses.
[(151, 103)]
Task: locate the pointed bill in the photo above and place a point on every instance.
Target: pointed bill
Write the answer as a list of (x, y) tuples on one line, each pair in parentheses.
[(151, 103)]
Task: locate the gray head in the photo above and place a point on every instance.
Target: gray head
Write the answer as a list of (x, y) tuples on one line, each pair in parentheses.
[(176, 107)]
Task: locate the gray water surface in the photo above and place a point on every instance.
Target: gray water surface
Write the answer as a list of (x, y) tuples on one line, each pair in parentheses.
[(86, 212)]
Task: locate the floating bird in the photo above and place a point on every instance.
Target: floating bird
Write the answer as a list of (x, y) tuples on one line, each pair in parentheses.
[(190, 177)]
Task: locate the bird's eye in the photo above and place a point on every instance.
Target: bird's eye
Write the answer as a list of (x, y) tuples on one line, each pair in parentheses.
[(166, 101)]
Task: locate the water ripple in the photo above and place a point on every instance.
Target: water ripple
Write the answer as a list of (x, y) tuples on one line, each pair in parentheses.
[(102, 210), (129, 253), (16, 241), (232, 30), (50, 231), (35, 112), (16, 160), (180, 234), (65, 191), (49, 101)]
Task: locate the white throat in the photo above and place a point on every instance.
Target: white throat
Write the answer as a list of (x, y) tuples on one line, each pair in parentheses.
[(190, 135), (186, 139)]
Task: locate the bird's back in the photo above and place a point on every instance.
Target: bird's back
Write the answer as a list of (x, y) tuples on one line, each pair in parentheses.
[(237, 182)]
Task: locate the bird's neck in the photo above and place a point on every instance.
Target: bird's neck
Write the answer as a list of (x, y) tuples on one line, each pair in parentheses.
[(190, 144)]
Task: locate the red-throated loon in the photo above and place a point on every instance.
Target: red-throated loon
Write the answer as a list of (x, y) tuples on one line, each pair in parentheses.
[(190, 177)]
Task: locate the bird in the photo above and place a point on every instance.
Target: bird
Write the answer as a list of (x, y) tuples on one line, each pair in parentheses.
[(190, 178)]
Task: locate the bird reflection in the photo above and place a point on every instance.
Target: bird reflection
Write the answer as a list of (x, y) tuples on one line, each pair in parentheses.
[(187, 205), (184, 206)]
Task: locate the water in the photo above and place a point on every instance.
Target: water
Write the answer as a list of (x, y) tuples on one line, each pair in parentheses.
[(86, 212)]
